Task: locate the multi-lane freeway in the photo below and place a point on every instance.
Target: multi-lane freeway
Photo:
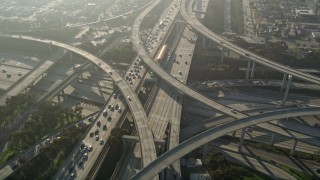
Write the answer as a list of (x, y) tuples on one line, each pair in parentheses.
[(178, 85), (140, 117), (199, 140), (161, 111), (193, 21), (153, 166)]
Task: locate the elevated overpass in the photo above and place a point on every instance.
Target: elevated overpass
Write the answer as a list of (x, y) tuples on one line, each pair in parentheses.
[(203, 138), (180, 86), (193, 21), (300, 132), (145, 135)]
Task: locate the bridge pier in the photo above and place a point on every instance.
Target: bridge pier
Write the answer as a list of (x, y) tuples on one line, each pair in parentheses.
[(60, 95), (284, 82), (50, 47), (71, 56), (241, 140), (59, 98), (272, 138), (287, 90), (204, 150), (222, 55), (293, 149), (253, 68), (204, 42), (248, 70), (234, 133)]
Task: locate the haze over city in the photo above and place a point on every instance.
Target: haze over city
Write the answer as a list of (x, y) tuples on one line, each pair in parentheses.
[(160, 89)]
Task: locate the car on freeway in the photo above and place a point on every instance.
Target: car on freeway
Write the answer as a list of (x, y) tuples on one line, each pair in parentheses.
[(72, 175), (101, 141), (105, 113), (82, 145), (233, 111), (80, 163), (85, 156)]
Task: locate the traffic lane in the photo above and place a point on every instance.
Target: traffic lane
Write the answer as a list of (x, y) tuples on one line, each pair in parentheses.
[(199, 140), (171, 80), (145, 135)]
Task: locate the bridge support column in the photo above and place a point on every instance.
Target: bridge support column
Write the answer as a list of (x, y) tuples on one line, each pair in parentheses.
[(253, 68), (287, 90), (222, 56), (234, 133), (59, 98), (161, 176), (204, 42), (272, 138), (293, 149), (124, 144), (284, 82), (241, 139), (248, 70), (50, 47), (204, 150), (71, 56)]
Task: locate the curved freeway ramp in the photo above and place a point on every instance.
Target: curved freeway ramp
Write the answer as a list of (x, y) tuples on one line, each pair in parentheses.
[(193, 21), (167, 77), (145, 135), (302, 133), (207, 136)]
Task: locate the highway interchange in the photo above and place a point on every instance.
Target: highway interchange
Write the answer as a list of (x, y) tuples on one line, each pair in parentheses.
[(203, 138), (170, 79), (146, 138), (146, 131)]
